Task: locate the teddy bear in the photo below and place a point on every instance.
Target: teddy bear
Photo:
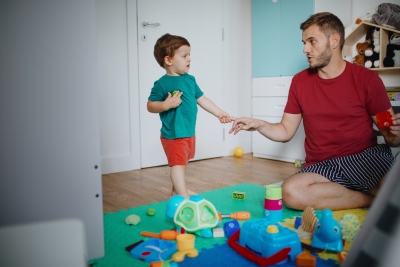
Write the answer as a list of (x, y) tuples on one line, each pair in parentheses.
[(363, 49), (392, 58), (388, 15)]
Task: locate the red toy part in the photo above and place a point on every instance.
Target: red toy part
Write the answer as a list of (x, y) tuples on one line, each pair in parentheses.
[(384, 119), (248, 254)]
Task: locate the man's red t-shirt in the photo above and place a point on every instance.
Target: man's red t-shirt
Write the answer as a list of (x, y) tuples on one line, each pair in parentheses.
[(337, 112)]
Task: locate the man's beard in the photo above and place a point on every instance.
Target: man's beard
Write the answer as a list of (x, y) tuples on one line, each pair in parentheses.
[(323, 59)]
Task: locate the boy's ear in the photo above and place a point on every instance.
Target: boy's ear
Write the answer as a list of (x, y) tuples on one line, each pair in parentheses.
[(167, 61)]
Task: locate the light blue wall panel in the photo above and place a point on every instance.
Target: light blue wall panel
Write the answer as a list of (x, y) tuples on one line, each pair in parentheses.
[(265, 38), (277, 49), (295, 12)]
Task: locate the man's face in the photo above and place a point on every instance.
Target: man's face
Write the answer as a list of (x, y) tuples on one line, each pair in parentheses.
[(316, 47), (180, 62)]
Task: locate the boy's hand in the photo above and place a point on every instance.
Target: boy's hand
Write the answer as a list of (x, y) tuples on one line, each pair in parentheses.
[(224, 118), (173, 101)]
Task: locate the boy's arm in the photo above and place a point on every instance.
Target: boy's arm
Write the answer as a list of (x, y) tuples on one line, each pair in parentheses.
[(172, 101), (206, 104)]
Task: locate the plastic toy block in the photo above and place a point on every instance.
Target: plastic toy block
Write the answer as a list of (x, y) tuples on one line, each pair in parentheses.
[(272, 204), (218, 232), (231, 227), (297, 222), (273, 192), (239, 195), (305, 259), (273, 215)]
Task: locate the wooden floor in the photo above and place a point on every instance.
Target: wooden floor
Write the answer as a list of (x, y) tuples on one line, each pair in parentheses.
[(141, 187)]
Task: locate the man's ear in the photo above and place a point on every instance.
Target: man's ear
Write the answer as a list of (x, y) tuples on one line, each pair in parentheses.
[(335, 40), (167, 61)]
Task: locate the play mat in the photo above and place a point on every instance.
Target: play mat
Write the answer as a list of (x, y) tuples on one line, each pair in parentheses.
[(212, 251)]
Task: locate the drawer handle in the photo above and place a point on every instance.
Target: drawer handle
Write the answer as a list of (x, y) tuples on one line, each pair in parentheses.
[(280, 107), (280, 86)]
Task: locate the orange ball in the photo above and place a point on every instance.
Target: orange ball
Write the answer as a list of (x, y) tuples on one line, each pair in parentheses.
[(238, 151)]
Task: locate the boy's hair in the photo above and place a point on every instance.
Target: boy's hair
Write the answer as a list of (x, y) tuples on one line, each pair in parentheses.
[(328, 23), (166, 45)]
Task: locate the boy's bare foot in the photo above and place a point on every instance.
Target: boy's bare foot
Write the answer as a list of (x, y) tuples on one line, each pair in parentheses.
[(190, 192)]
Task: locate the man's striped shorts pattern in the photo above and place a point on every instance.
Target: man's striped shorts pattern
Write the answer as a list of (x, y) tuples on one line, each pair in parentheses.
[(359, 172)]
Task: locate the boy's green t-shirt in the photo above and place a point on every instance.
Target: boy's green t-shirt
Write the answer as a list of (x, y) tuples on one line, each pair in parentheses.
[(177, 122)]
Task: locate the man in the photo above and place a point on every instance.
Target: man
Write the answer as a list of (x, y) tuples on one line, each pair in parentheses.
[(338, 102)]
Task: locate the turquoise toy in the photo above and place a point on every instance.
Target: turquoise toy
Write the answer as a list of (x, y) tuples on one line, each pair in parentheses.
[(327, 233), (195, 214)]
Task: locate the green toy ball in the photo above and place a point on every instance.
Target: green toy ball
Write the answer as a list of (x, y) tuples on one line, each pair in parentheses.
[(174, 92), (151, 212), (132, 219)]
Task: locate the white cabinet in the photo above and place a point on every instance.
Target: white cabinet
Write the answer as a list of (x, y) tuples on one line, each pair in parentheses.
[(269, 100)]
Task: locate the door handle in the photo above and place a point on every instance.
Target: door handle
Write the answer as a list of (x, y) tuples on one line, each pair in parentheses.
[(145, 24)]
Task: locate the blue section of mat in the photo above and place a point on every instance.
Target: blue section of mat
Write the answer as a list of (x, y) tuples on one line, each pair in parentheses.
[(224, 255)]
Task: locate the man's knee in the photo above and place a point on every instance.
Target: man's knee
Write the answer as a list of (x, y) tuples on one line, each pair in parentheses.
[(290, 195)]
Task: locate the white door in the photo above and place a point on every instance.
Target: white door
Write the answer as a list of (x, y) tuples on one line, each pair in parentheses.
[(200, 22)]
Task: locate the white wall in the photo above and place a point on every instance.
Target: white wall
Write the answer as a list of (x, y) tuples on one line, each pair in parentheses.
[(49, 123), (237, 69)]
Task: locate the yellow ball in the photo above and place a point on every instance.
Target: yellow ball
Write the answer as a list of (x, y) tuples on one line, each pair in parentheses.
[(238, 152)]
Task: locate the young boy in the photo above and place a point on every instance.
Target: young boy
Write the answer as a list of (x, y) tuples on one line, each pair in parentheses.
[(175, 97)]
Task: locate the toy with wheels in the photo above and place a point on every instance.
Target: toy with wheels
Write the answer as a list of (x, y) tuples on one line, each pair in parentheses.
[(195, 215)]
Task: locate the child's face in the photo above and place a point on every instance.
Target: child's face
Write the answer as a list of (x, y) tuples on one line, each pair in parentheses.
[(179, 64)]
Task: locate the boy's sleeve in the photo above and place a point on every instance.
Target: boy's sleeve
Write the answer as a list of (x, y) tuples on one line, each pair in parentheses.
[(157, 93), (198, 93)]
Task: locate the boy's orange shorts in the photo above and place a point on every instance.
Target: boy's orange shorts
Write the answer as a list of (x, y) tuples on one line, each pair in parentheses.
[(179, 151)]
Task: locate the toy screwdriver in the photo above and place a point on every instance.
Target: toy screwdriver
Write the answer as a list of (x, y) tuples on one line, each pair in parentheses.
[(240, 215), (166, 234)]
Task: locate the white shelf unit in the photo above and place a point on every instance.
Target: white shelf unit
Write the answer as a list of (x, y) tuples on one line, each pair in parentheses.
[(358, 36)]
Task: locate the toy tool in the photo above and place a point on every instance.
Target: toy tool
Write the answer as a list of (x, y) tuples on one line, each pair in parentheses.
[(166, 234), (240, 215)]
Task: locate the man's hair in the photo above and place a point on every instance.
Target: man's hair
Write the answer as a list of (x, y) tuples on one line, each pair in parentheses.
[(166, 45), (328, 23)]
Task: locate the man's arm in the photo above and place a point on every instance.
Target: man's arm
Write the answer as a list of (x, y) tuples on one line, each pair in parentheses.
[(279, 132), (391, 134), (209, 106)]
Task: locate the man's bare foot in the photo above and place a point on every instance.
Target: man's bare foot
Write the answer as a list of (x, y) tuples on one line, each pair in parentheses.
[(190, 192)]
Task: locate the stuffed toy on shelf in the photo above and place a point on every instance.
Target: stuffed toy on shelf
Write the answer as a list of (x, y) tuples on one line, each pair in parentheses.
[(363, 50), (392, 58), (387, 15), (372, 58)]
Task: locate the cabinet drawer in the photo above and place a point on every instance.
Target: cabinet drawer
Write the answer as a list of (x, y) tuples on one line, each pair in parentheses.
[(269, 106), (271, 86)]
